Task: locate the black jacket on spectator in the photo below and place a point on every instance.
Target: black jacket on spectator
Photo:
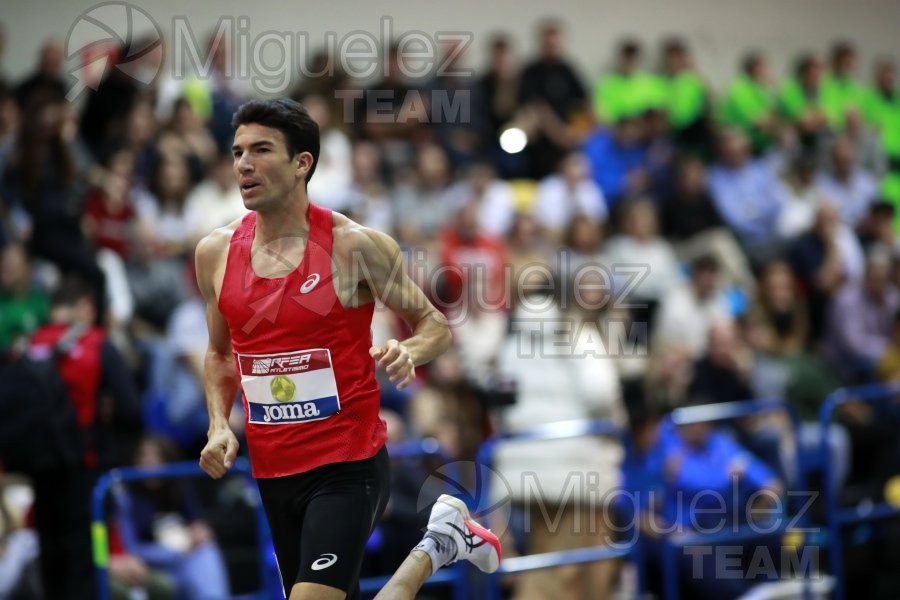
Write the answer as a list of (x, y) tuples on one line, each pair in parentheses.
[(40, 88), (682, 218), (718, 384), (554, 82), (806, 256), (106, 112), (557, 84)]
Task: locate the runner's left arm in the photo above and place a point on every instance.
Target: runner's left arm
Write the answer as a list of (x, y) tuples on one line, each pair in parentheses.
[(390, 283)]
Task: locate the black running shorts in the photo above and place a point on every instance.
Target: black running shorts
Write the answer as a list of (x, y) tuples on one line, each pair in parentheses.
[(321, 520)]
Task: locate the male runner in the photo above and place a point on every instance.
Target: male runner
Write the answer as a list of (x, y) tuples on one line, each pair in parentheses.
[(290, 291)]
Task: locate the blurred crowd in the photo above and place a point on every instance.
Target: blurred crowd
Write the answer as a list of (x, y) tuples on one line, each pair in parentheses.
[(656, 243)]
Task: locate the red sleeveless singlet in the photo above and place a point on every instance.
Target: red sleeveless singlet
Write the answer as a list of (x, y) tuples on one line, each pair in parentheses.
[(309, 390)]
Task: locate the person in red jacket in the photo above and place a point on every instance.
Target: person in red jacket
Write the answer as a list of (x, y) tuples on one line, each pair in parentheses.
[(470, 257), (107, 408), (290, 291)]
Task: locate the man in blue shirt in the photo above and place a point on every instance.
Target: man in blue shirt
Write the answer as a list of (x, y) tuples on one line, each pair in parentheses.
[(748, 195), (694, 478), (618, 161)]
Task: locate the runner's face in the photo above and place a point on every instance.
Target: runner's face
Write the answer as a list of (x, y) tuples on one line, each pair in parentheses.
[(266, 172)]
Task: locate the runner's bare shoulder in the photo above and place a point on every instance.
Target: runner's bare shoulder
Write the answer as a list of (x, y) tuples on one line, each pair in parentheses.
[(211, 254), (350, 237)]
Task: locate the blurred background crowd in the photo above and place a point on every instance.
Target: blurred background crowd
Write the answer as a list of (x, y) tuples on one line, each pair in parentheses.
[(759, 220)]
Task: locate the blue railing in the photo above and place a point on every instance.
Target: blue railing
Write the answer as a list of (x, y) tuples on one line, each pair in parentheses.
[(454, 575), (460, 576), (838, 518), (99, 530), (520, 564)]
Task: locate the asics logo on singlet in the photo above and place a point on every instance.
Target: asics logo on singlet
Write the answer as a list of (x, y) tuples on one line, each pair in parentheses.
[(324, 562), (468, 537), (311, 282)]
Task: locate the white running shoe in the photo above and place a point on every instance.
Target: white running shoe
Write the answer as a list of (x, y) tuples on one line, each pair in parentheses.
[(474, 543)]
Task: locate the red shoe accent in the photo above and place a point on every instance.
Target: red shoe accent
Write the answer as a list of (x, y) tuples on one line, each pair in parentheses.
[(487, 536)]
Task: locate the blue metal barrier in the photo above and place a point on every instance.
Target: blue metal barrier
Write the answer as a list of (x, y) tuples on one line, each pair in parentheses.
[(521, 564), (454, 575), (726, 411), (836, 517), (100, 534)]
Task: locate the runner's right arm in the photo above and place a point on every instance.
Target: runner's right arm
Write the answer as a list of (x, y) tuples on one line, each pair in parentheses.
[(220, 377)]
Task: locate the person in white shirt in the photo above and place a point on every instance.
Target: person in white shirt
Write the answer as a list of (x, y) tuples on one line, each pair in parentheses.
[(334, 170), (569, 192), (641, 250), (802, 200), (687, 312), (162, 208), (558, 379), (494, 197), (367, 200), (214, 202)]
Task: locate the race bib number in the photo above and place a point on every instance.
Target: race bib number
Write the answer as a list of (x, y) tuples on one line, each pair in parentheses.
[(293, 387)]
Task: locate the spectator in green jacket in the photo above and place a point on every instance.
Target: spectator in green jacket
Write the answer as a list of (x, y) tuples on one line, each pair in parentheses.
[(627, 90), (841, 91), (750, 102), (801, 100), (687, 92), (23, 308), (882, 110), (688, 98)]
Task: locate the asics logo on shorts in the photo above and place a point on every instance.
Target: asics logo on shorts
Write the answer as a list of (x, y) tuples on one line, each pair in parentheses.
[(324, 562), (311, 282)]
